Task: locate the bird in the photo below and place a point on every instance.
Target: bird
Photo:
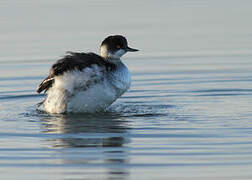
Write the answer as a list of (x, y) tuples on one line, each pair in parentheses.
[(87, 82)]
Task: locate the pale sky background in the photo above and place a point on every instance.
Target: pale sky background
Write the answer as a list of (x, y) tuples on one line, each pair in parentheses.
[(46, 29)]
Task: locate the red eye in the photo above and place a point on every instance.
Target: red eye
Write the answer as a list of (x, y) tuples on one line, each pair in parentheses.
[(118, 46)]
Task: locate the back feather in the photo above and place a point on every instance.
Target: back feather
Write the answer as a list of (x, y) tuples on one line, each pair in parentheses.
[(73, 60)]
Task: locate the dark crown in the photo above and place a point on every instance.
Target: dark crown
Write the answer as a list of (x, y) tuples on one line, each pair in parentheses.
[(115, 42)]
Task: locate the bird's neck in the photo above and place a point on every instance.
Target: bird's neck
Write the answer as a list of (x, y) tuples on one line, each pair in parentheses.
[(109, 57), (113, 58), (115, 61)]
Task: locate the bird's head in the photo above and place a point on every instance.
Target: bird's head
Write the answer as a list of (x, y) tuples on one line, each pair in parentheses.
[(113, 47)]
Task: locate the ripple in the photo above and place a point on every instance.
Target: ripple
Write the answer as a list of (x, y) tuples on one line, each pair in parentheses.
[(21, 96), (18, 78), (224, 90)]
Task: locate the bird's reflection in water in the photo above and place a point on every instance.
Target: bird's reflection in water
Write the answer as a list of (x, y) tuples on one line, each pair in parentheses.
[(87, 139)]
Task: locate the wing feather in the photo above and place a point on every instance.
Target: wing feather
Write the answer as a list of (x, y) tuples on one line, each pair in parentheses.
[(45, 84), (73, 61)]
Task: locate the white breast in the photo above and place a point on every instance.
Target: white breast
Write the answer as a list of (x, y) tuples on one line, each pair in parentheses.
[(120, 79), (72, 91)]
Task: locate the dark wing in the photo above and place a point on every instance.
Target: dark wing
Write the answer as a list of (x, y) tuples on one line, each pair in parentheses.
[(46, 84), (73, 61)]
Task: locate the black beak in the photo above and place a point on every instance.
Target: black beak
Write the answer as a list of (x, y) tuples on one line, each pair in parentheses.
[(131, 49)]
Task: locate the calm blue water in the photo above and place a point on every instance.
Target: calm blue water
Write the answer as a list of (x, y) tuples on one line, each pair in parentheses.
[(187, 116)]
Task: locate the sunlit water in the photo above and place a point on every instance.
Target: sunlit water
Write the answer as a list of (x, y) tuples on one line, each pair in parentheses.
[(187, 116)]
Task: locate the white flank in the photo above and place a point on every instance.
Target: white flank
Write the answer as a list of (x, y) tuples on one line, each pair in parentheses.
[(78, 91)]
